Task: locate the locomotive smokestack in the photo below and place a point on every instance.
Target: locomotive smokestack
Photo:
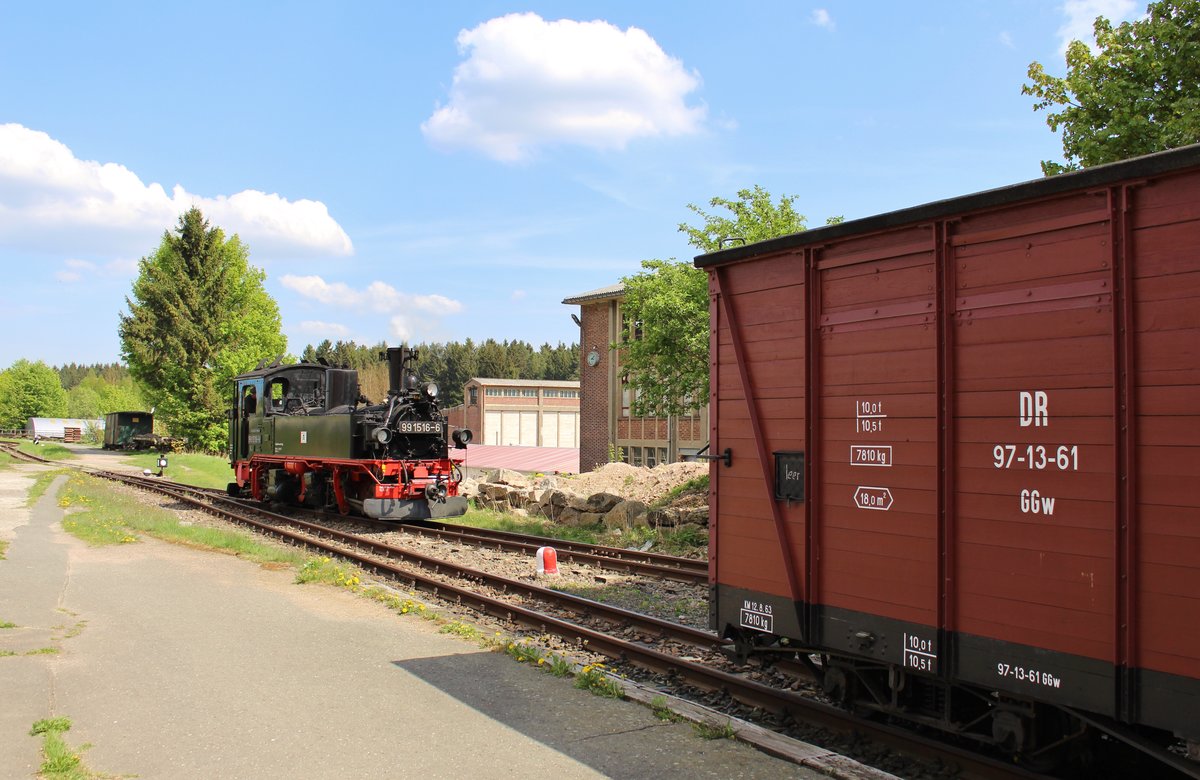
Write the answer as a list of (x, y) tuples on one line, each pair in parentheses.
[(395, 359)]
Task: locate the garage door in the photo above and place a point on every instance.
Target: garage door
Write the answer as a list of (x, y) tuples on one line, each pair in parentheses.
[(491, 428), (550, 429), (568, 429)]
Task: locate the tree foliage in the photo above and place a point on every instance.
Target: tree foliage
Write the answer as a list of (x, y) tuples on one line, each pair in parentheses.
[(95, 396), (1138, 93), (30, 390), (664, 341), (71, 374), (198, 316)]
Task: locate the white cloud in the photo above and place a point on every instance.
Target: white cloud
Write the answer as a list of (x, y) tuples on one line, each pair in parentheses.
[(527, 82), (49, 198), (1081, 16), (402, 328), (1006, 39), (518, 295), (75, 270), (410, 315), (324, 329), (378, 296), (821, 18)]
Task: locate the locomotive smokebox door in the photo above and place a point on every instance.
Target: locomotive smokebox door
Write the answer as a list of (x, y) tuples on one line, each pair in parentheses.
[(789, 476)]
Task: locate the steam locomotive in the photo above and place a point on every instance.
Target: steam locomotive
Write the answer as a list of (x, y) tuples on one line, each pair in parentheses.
[(303, 434)]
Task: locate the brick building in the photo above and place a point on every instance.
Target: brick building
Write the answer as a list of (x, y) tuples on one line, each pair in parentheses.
[(606, 424), (519, 412)]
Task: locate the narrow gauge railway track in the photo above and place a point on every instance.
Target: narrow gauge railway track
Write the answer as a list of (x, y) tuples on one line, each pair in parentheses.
[(384, 559), (689, 570)]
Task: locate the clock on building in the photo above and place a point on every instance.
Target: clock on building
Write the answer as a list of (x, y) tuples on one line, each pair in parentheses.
[(593, 358)]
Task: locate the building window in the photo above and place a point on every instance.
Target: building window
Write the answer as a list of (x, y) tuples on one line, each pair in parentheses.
[(560, 393), (662, 454), (635, 453), (511, 392), (650, 460), (474, 396)]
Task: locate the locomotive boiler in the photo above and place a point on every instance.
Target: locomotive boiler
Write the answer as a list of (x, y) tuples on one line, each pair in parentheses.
[(302, 434)]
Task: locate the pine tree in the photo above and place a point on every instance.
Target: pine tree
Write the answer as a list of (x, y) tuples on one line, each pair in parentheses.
[(198, 316)]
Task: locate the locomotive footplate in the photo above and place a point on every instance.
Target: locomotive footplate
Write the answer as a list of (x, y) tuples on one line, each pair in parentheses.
[(414, 509)]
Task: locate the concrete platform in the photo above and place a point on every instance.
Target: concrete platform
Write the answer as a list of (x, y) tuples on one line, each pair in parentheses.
[(177, 663)]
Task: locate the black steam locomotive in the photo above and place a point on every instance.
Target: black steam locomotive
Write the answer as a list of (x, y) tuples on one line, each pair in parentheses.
[(302, 434)]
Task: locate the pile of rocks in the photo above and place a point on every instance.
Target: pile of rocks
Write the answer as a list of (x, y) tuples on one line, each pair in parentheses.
[(558, 499)]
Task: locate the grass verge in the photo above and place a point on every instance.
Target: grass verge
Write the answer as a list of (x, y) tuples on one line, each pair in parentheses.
[(210, 471), (103, 516), (46, 450), (40, 484)]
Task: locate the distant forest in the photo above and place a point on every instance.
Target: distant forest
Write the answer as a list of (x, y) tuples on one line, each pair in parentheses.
[(95, 389), (452, 364)]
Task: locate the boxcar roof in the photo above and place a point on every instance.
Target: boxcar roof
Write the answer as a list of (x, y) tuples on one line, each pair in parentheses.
[(1097, 176)]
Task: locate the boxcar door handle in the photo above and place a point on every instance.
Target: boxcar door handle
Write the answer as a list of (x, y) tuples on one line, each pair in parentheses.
[(726, 456)]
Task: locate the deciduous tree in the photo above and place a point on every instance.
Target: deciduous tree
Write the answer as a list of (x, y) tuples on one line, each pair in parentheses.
[(198, 316), (664, 343), (30, 390), (1138, 93)]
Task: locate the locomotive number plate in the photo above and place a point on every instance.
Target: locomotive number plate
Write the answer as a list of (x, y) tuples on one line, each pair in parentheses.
[(420, 427)]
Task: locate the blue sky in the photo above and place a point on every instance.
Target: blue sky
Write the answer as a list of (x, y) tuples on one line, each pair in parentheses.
[(416, 172)]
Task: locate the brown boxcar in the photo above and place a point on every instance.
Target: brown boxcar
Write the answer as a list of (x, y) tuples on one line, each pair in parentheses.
[(967, 470)]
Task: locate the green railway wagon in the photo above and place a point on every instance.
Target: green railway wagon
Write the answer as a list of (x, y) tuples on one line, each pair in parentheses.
[(121, 427)]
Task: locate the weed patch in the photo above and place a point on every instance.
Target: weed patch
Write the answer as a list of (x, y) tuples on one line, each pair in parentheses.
[(464, 630), (524, 652), (593, 678), (327, 571), (7, 624), (60, 761), (662, 711), (696, 485), (3, 548), (706, 731)]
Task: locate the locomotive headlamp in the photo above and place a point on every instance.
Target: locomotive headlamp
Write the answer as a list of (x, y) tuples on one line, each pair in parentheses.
[(461, 437), (382, 435), (431, 390)]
